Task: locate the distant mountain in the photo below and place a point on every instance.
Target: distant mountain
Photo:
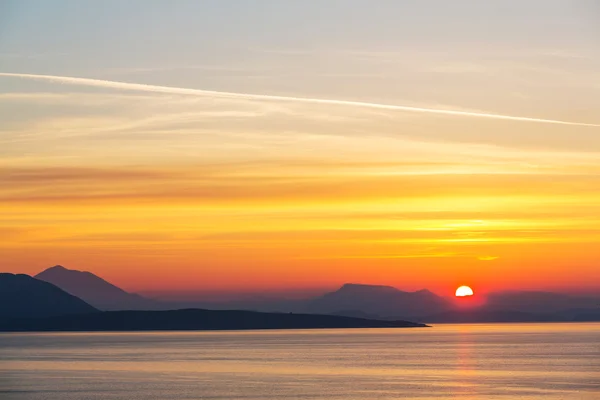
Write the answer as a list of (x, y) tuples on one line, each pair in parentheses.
[(22, 296), (384, 301), (194, 319), (539, 302), (581, 315), (524, 306), (350, 300), (389, 303), (95, 290)]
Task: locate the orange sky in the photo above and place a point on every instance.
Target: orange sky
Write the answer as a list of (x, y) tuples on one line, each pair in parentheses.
[(310, 223), (388, 151)]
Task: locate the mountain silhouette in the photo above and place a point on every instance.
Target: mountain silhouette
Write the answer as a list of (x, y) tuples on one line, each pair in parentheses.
[(194, 319), (374, 302), (581, 315), (22, 296), (378, 300), (523, 306), (539, 302), (94, 290)]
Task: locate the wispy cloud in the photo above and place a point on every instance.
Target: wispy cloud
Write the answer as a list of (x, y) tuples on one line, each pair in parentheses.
[(249, 96), (277, 182), (387, 257)]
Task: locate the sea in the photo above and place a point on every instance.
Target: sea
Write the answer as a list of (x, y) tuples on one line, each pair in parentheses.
[(468, 361)]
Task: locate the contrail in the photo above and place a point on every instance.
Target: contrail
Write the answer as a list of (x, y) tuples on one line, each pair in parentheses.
[(249, 96)]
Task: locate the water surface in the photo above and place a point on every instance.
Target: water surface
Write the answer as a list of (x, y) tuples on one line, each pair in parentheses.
[(488, 361)]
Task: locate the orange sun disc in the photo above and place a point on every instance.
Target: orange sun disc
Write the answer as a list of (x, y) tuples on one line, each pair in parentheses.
[(464, 291)]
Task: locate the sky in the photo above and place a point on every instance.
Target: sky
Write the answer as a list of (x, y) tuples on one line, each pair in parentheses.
[(267, 146)]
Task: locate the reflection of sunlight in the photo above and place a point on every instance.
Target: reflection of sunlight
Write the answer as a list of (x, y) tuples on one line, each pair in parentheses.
[(466, 374)]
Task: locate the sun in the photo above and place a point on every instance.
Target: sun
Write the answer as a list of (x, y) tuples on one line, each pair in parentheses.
[(464, 291)]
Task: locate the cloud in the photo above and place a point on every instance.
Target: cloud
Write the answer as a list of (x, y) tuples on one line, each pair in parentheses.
[(248, 96), (488, 258), (386, 257), (292, 183)]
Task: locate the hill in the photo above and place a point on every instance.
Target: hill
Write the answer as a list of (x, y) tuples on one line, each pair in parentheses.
[(539, 302), (193, 319), (373, 302), (23, 296), (378, 300), (95, 290)]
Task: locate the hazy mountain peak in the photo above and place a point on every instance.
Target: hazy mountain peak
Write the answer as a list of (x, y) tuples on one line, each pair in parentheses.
[(377, 300), (60, 272), (361, 287), (93, 289), (351, 284), (365, 287)]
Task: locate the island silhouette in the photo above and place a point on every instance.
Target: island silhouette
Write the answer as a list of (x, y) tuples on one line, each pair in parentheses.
[(61, 299), (30, 304)]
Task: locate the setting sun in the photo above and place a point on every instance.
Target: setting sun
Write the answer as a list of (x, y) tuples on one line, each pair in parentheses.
[(464, 291)]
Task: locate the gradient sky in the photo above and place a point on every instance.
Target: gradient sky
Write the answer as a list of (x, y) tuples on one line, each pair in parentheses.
[(178, 186)]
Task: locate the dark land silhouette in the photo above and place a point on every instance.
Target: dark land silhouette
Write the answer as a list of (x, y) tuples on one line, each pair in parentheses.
[(22, 296), (539, 302), (358, 302), (30, 304), (192, 319)]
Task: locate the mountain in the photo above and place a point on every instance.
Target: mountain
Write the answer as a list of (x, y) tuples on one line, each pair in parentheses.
[(389, 303), (95, 290), (524, 306), (194, 319), (350, 300), (538, 302), (581, 315), (382, 301), (23, 296)]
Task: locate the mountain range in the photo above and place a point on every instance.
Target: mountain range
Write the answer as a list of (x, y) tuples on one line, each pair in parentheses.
[(22, 296), (30, 304), (350, 300)]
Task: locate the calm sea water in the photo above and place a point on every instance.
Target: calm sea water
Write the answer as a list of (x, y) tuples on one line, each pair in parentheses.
[(492, 361)]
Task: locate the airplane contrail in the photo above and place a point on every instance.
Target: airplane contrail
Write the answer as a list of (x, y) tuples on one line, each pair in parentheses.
[(248, 96)]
